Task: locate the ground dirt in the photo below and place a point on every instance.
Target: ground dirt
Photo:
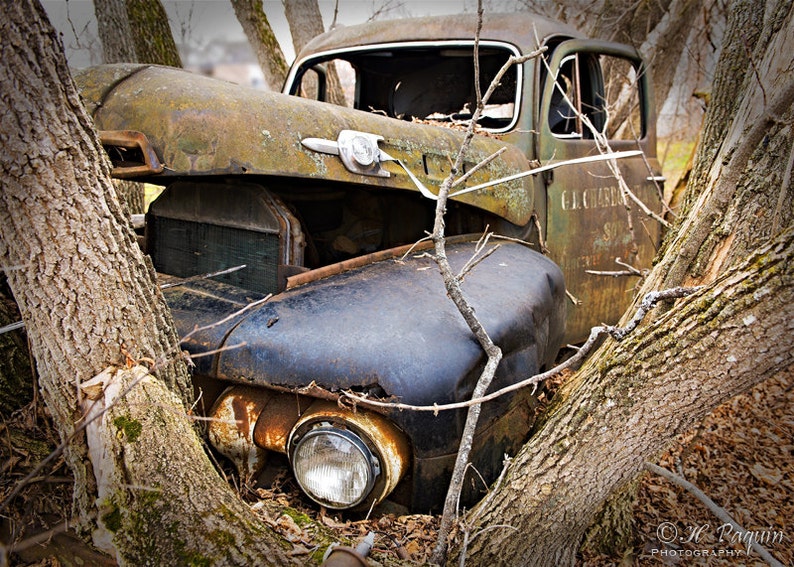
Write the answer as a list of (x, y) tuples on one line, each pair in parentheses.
[(742, 456)]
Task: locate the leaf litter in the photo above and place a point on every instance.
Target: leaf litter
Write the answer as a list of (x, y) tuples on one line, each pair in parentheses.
[(741, 455)]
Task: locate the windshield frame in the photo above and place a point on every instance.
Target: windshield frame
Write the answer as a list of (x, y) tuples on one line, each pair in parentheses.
[(306, 62)]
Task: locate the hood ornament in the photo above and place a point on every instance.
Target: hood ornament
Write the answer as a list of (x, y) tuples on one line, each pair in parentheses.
[(358, 151)]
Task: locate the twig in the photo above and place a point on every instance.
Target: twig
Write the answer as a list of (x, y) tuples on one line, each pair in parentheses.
[(483, 505), (629, 271), (227, 318), (477, 257), (648, 302), (217, 350), (478, 167), (12, 327), (717, 511), (613, 274), (541, 240), (40, 538), (190, 279)]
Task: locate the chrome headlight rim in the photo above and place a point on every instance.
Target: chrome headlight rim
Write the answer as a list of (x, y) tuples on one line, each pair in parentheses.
[(304, 434)]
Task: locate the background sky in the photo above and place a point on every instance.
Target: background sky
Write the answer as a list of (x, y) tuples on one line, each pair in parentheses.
[(198, 22)]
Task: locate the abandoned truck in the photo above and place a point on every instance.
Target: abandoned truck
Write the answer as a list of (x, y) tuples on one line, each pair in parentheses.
[(318, 205)]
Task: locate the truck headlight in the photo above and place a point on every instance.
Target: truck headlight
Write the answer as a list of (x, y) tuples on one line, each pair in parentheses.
[(334, 466), (344, 459)]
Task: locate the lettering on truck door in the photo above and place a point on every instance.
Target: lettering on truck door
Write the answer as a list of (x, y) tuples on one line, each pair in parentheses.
[(598, 90)]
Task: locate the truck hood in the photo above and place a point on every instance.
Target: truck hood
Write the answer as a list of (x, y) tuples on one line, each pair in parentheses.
[(384, 327), (199, 126)]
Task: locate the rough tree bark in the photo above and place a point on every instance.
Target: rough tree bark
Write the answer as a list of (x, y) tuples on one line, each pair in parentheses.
[(306, 23), (114, 30), (627, 404), (260, 35), (154, 42), (89, 301)]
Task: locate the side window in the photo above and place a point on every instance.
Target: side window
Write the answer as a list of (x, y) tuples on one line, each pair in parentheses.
[(564, 110), (595, 94), (312, 83), (622, 99)]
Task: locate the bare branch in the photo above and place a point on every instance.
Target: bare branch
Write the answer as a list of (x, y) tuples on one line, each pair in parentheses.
[(629, 271), (466, 525), (184, 281), (479, 166), (745, 536), (477, 257), (217, 350), (541, 240), (227, 318), (12, 327)]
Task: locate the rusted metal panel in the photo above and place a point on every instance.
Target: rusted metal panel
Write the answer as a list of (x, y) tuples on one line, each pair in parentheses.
[(354, 329), (231, 429), (587, 213), (136, 155), (202, 126), (278, 419), (494, 439)]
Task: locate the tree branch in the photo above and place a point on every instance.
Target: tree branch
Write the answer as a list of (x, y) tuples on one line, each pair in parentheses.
[(720, 512)]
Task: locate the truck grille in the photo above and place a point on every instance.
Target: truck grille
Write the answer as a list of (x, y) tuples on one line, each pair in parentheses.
[(185, 248)]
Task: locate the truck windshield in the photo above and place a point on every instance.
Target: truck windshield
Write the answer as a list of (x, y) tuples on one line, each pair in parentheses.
[(416, 81)]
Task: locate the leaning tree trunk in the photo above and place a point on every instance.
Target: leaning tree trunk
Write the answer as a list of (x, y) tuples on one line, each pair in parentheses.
[(630, 401), (260, 35), (89, 301), (306, 23), (154, 42)]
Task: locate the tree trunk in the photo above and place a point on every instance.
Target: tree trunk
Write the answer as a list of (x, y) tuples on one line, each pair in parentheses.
[(664, 45), (628, 403), (261, 37), (306, 23), (89, 301), (154, 42), (114, 30)]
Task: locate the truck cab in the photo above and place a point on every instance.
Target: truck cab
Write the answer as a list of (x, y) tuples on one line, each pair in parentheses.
[(290, 237)]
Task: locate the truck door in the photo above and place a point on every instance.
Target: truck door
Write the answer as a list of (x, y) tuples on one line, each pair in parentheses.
[(596, 97)]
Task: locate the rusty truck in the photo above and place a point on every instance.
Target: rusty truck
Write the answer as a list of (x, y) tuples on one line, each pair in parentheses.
[(311, 207)]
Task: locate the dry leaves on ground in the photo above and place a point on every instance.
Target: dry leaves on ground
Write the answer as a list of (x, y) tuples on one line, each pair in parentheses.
[(742, 457)]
